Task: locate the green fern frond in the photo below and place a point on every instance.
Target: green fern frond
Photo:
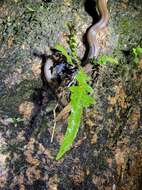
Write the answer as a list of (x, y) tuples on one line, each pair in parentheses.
[(80, 99)]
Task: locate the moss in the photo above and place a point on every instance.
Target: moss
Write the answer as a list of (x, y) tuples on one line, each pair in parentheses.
[(129, 30)]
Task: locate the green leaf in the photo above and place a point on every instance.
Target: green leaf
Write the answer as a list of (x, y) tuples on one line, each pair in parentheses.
[(136, 53), (64, 52), (79, 100), (105, 58)]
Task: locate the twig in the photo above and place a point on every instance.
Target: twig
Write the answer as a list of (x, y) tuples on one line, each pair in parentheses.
[(53, 130)]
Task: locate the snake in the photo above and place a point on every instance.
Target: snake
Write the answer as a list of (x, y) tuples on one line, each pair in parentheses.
[(91, 37), (94, 29)]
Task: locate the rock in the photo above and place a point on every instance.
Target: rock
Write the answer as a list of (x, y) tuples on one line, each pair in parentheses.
[(107, 151)]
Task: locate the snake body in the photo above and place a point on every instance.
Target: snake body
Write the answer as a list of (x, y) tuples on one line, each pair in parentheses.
[(91, 35)]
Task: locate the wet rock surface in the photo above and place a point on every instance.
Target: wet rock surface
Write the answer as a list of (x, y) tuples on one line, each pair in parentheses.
[(107, 153)]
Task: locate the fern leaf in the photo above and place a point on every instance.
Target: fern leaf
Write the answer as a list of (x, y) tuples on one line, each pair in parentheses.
[(79, 100), (64, 52)]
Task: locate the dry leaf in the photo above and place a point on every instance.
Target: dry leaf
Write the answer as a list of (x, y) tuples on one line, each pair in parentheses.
[(26, 108), (10, 41), (64, 113)]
